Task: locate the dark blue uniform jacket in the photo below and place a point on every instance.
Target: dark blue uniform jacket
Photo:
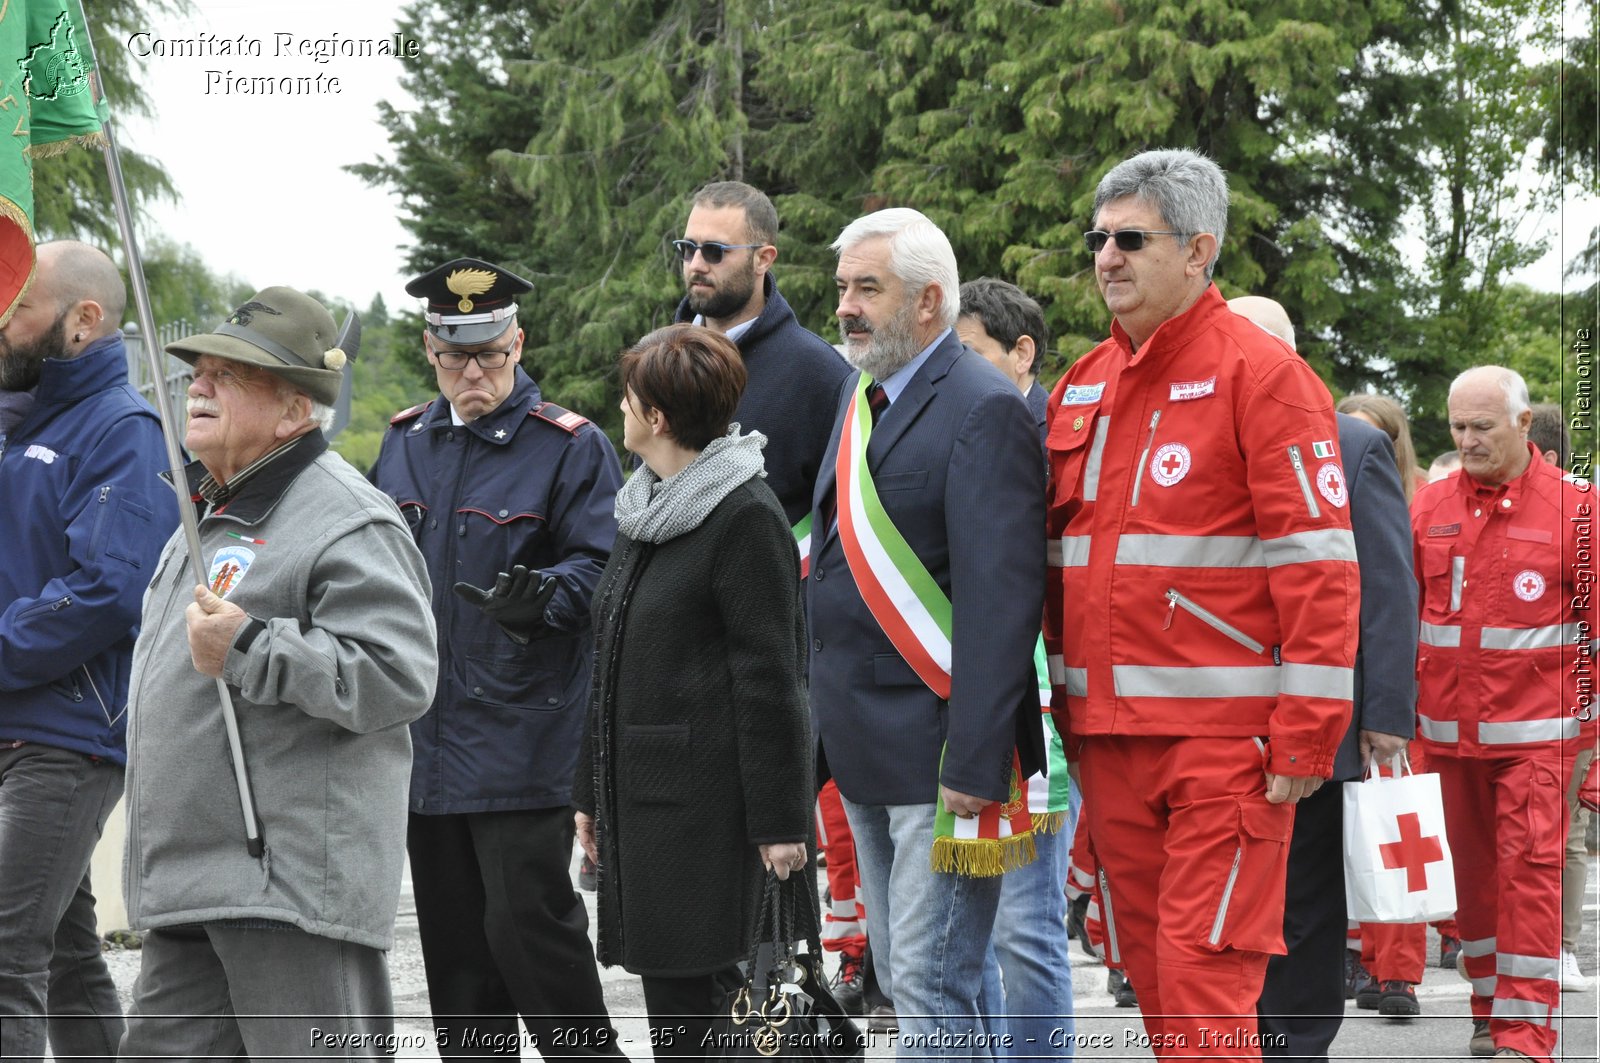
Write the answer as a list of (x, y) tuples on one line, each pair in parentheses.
[(526, 484)]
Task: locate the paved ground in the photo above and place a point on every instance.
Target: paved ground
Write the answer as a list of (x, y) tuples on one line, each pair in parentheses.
[(1102, 1030)]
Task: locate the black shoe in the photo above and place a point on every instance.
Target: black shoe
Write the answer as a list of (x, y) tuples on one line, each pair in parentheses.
[(1482, 1043), (849, 984), (1449, 948), (588, 879), (1355, 975), (1368, 991), (1076, 910), (883, 1020), (1121, 989), (1398, 1000)]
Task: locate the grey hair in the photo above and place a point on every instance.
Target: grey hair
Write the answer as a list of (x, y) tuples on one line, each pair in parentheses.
[(919, 253), (1510, 381), (1187, 189), (321, 416)]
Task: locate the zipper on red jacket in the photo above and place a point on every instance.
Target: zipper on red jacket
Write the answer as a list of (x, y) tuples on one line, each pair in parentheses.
[(1305, 481), (1210, 619), (1150, 441)]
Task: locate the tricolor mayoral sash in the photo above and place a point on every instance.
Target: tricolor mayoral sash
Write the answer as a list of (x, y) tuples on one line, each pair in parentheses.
[(914, 612)]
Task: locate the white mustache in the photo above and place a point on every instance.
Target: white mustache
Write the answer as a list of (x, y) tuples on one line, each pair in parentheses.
[(204, 405)]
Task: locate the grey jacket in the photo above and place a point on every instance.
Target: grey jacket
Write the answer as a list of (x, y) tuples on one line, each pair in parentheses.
[(323, 692)]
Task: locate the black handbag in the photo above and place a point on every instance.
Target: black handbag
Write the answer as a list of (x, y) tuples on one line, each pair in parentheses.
[(784, 1008)]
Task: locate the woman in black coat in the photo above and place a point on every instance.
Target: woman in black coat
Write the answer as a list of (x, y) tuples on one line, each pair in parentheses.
[(695, 774)]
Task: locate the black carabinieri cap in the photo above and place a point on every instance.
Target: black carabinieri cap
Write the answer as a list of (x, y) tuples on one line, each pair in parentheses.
[(469, 300)]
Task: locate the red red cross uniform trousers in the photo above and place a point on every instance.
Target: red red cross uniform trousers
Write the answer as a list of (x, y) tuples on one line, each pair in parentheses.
[(1201, 621), (1505, 691)]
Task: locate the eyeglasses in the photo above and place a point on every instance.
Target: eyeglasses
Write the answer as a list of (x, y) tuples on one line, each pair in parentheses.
[(455, 361), (1127, 239), (711, 251)]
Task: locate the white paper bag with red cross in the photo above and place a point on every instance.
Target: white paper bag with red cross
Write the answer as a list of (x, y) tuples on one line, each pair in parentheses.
[(1397, 865)]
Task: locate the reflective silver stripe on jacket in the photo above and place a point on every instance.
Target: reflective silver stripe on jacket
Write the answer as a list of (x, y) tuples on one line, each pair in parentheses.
[(1545, 967), (1069, 551), (1529, 638), (1076, 680), (1097, 449), (1549, 730), (1057, 669), (1305, 680), (1477, 946), (1458, 577), (1443, 636), (1319, 544), (1484, 987), (1445, 731)]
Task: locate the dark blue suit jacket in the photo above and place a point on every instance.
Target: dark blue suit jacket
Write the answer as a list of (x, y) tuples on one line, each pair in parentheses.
[(1386, 655), (956, 462)]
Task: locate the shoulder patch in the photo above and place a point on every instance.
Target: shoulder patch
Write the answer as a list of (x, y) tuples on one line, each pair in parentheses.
[(406, 415), (559, 416)]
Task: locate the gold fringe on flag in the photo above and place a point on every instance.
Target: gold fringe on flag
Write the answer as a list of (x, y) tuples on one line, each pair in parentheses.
[(97, 139), (982, 857)]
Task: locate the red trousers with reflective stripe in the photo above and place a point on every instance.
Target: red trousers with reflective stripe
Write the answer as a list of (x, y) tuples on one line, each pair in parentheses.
[(844, 924), (1195, 859), (1506, 816)]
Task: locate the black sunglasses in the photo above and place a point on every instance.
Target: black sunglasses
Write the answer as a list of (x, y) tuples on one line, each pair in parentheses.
[(1127, 239), (711, 251)]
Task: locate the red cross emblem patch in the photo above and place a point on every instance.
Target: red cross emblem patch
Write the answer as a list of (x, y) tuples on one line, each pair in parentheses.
[(1170, 464), (1528, 585)]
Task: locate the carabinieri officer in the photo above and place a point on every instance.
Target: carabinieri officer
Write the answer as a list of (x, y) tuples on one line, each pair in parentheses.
[(510, 499)]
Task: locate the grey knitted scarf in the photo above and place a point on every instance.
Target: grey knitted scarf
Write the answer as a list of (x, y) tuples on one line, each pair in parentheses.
[(652, 510)]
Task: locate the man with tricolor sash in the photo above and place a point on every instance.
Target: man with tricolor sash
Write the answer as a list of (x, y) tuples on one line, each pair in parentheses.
[(1202, 609), (925, 594)]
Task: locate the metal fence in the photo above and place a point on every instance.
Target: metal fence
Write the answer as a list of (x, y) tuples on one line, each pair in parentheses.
[(177, 374)]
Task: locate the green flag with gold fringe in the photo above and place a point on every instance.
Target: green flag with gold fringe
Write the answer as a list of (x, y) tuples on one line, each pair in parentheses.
[(45, 106)]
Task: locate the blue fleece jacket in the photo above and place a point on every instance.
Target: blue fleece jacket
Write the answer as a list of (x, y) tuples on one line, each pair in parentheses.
[(85, 515)]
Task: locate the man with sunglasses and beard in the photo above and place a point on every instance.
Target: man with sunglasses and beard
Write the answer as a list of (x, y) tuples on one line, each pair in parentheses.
[(727, 252), (510, 500), (1202, 608), (85, 518)]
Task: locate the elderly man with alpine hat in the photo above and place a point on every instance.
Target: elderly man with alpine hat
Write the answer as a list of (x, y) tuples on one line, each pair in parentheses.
[(510, 499), (315, 613)]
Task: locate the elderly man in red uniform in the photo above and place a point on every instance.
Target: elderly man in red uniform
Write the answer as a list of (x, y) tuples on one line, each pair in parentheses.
[(1504, 556), (1202, 607)]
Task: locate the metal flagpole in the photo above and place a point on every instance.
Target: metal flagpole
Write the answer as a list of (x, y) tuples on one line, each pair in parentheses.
[(180, 484)]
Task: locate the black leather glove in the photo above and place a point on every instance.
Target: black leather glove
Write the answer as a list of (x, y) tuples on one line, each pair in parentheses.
[(516, 602)]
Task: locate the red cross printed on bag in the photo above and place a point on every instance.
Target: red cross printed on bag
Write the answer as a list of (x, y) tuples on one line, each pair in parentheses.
[(1412, 852)]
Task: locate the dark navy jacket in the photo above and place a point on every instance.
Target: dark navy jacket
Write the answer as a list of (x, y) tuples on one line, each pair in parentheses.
[(956, 463), (86, 515), (789, 398), (526, 484), (1386, 655)]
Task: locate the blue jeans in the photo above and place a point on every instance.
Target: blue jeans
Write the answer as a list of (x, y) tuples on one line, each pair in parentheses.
[(53, 805), (929, 931), (1027, 984)]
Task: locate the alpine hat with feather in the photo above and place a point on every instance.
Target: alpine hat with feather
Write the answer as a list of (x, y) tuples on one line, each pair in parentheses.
[(283, 331)]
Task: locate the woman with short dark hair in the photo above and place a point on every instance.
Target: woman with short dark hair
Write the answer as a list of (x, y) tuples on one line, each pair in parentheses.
[(695, 774)]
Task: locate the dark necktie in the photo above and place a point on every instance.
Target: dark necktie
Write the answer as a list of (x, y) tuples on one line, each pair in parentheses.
[(877, 401)]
